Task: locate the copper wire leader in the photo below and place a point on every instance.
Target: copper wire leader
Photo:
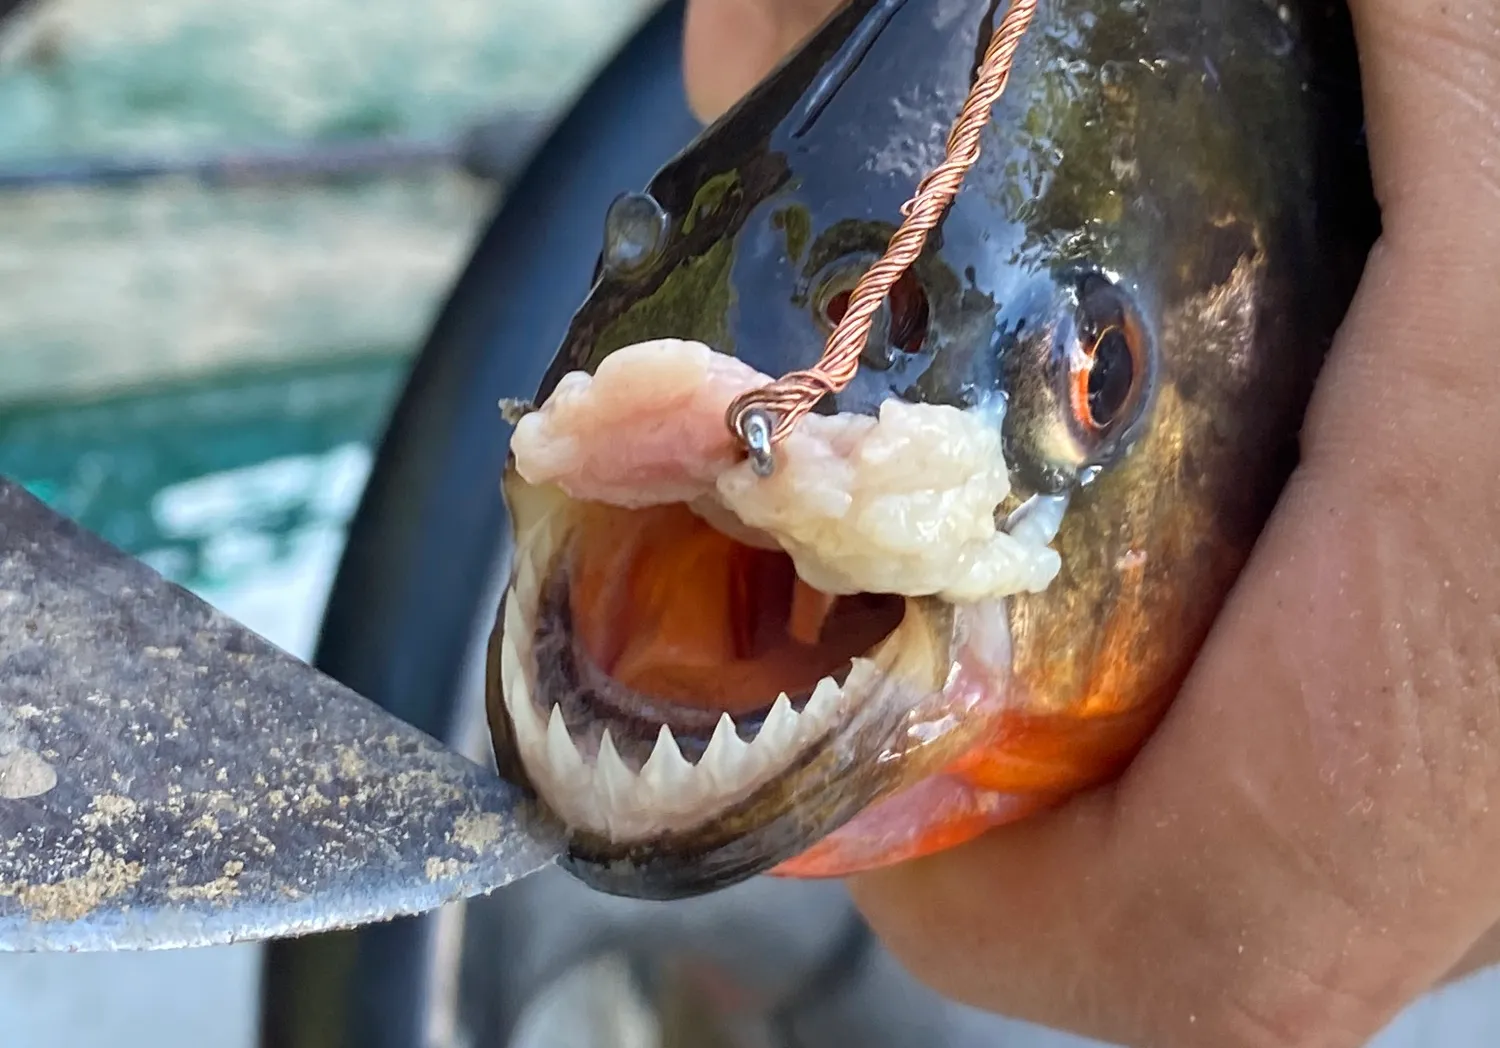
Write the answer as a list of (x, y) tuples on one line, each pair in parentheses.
[(761, 418)]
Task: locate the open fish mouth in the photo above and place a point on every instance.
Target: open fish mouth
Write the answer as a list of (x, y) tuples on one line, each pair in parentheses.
[(703, 672)]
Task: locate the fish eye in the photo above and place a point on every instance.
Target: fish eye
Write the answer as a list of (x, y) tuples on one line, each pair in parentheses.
[(1106, 363), (1078, 365), (635, 230), (901, 324), (1111, 375)]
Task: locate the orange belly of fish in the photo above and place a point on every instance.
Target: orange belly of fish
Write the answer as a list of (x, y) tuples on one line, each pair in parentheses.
[(1029, 763)]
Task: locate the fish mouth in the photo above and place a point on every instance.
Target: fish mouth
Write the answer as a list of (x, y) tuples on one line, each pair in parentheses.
[(693, 687)]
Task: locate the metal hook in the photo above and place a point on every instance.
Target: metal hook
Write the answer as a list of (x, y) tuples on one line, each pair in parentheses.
[(757, 433)]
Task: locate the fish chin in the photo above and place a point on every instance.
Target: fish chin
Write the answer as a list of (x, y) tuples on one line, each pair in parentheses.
[(703, 675)]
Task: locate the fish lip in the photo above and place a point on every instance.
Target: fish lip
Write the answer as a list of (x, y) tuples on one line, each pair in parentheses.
[(899, 733)]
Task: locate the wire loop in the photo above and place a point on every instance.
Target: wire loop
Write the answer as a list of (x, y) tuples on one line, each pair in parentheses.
[(781, 404)]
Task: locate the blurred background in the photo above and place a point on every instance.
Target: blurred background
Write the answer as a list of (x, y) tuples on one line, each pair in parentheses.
[(226, 231), (196, 364)]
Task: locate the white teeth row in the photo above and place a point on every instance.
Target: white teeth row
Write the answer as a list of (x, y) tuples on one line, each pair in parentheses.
[(606, 795), (609, 797)]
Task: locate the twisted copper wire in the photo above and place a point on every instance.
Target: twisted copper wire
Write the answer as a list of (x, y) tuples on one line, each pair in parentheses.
[(792, 396)]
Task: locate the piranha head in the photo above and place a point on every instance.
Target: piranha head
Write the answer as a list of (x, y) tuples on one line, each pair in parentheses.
[(980, 570)]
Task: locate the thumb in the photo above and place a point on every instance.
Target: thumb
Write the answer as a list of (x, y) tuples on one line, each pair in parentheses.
[(730, 45)]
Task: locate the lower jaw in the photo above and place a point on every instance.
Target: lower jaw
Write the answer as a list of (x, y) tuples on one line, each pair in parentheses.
[(905, 735), (890, 801), (935, 813)]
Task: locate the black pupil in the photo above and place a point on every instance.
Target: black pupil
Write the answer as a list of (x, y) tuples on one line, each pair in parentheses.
[(1110, 378)]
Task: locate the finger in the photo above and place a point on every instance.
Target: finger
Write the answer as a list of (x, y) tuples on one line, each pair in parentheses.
[(730, 45), (1430, 92), (1307, 842)]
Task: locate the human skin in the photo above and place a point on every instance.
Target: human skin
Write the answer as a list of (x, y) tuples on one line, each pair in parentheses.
[(1308, 842)]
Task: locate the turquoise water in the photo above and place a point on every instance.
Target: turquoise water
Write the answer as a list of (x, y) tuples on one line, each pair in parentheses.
[(117, 464), (238, 487)]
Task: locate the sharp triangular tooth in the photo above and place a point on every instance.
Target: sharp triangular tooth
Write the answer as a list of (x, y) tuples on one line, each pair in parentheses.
[(515, 622), (822, 707), (727, 760), (530, 731), (510, 666), (864, 675), (667, 775), (527, 586), (616, 782), (779, 731), (562, 756), (513, 678)]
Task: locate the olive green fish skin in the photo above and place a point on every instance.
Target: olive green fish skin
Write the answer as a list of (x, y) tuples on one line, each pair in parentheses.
[(1191, 171)]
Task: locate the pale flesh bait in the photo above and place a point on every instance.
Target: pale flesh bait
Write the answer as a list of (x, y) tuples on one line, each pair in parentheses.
[(900, 502), (980, 570)]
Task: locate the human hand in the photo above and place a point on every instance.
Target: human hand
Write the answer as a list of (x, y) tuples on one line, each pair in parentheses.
[(1311, 839)]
